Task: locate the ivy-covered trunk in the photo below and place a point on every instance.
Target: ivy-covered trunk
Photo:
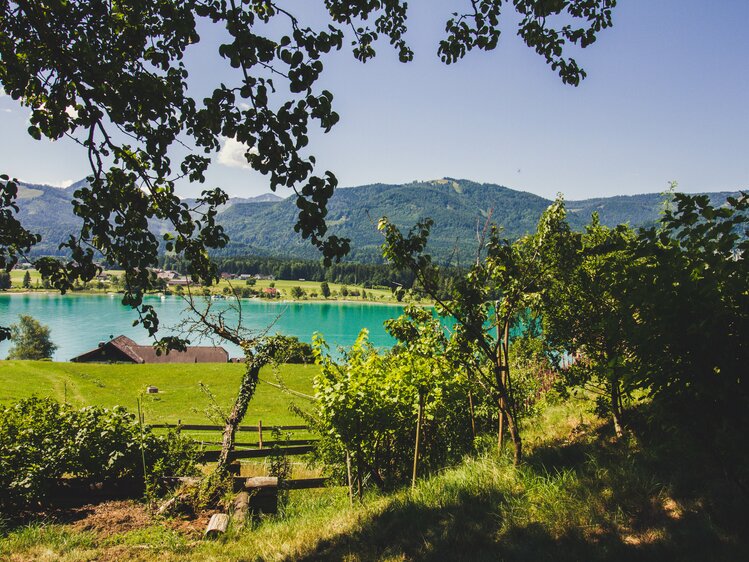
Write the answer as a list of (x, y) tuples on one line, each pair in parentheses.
[(238, 411)]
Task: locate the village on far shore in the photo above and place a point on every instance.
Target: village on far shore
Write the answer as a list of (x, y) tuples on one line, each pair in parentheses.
[(24, 278)]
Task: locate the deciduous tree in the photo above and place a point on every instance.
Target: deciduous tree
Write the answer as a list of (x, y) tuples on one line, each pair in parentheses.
[(31, 340)]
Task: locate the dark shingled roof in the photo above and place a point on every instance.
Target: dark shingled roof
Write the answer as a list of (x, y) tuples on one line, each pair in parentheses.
[(123, 349)]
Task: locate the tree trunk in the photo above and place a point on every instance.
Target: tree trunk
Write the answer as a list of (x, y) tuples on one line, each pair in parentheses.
[(516, 441), (510, 405), (238, 411), (473, 417), (501, 380), (616, 411)]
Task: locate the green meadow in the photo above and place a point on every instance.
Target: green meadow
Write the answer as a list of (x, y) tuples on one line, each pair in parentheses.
[(186, 391)]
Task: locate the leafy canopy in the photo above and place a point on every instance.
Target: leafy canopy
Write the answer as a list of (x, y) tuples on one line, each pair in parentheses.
[(112, 76)]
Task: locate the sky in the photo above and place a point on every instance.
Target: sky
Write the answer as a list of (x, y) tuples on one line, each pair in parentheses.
[(666, 98)]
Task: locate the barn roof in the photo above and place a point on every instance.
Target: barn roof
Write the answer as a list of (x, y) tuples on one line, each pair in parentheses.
[(136, 353)]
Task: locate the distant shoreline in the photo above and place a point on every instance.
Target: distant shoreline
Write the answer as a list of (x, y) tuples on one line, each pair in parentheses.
[(254, 299)]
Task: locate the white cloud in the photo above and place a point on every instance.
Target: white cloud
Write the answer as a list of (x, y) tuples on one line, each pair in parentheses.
[(2, 92), (64, 183), (233, 152)]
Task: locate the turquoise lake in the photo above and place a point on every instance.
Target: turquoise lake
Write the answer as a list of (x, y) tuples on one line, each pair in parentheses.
[(78, 322)]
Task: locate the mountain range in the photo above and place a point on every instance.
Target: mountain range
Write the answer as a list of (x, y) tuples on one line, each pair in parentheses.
[(264, 225)]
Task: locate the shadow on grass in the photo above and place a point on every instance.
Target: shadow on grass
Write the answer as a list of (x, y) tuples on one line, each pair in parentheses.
[(644, 502)]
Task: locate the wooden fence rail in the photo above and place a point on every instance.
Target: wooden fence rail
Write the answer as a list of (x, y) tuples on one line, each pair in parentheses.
[(253, 428), (212, 456), (265, 444), (72, 492)]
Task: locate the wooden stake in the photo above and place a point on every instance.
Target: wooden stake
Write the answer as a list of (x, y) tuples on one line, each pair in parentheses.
[(350, 483), (260, 434), (418, 433)]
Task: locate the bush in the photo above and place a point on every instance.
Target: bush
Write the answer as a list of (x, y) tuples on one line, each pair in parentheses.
[(367, 405), (288, 349), (30, 339), (297, 292), (42, 440)]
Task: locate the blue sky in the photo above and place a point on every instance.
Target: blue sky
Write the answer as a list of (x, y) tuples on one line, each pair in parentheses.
[(665, 99)]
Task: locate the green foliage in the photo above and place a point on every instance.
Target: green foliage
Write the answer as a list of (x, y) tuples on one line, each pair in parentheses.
[(288, 349), (325, 289), (280, 466), (4, 280), (26, 284), (367, 404), (30, 339), (297, 292), (689, 300), (41, 439), (532, 372), (488, 299), (584, 314)]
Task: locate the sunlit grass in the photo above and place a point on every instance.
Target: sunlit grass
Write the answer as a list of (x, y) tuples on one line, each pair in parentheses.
[(180, 396)]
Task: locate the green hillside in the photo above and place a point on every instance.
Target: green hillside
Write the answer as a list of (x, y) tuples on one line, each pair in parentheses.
[(263, 226)]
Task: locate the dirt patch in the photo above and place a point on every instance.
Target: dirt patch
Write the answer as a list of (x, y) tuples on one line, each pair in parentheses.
[(117, 517), (111, 518)]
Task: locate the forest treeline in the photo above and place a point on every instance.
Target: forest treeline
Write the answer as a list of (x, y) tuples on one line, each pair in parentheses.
[(368, 275)]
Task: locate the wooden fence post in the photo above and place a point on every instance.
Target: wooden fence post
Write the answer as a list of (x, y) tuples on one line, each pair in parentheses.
[(260, 434), (350, 483), (418, 432)]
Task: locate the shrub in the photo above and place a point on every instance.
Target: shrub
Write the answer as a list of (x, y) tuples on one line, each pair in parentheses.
[(30, 339), (288, 349), (41, 440), (367, 405)]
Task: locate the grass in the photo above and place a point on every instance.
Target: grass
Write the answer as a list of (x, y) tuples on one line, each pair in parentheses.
[(180, 396), (284, 286), (580, 495)]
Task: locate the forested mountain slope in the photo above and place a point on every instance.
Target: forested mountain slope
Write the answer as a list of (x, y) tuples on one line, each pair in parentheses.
[(264, 225)]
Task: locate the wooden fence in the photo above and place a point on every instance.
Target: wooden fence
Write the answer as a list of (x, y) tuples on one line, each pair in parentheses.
[(73, 492), (261, 448)]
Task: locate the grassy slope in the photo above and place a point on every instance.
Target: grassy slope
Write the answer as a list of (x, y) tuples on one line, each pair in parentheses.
[(579, 496), (180, 396)]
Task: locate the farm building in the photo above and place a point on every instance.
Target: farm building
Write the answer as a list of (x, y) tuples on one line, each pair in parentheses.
[(124, 350)]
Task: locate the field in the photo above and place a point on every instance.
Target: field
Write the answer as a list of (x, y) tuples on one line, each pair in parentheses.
[(180, 396), (311, 288)]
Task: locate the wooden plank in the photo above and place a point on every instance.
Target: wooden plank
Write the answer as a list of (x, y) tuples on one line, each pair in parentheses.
[(212, 456), (263, 491), (305, 483), (257, 482)]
